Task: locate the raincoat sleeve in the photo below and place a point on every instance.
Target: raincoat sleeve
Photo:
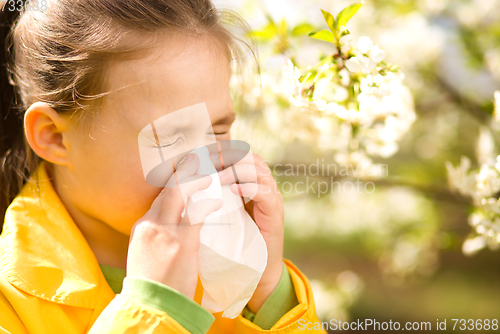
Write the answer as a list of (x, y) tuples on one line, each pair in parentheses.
[(301, 318), (146, 306), (282, 300)]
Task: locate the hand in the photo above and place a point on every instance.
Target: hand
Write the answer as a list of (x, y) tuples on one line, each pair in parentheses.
[(164, 245), (266, 209)]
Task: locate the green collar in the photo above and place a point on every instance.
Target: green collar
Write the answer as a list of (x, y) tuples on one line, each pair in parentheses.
[(114, 276)]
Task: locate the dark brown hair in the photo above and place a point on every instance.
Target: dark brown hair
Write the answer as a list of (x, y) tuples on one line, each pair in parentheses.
[(59, 56)]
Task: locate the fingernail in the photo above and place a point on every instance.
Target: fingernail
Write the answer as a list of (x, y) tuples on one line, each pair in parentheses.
[(238, 189), (214, 156), (189, 157), (221, 173)]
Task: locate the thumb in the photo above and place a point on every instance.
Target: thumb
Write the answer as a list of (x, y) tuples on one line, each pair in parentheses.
[(197, 212)]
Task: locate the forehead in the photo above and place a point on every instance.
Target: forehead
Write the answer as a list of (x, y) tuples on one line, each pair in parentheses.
[(181, 71)]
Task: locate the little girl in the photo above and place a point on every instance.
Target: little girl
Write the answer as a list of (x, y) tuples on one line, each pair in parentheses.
[(87, 245)]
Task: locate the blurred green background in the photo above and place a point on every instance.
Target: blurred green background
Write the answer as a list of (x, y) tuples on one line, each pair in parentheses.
[(395, 252)]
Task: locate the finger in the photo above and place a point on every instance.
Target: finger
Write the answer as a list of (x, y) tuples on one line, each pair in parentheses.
[(245, 173), (202, 182), (186, 168), (256, 192), (265, 197), (197, 212), (171, 201), (231, 157)]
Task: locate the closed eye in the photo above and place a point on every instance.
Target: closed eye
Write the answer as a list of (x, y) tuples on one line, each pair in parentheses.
[(172, 143)]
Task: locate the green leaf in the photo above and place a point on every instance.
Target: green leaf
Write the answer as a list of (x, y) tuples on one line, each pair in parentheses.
[(265, 34), (282, 29), (344, 32), (346, 14), (306, 78), (271, 26), (269, 18), (302, 29), (330, 20), (261, 36), (323, 35)]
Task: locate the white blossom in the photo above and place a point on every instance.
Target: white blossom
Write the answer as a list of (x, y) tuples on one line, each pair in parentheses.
[(473, 245), (367, 58), (364, 44), (336, 109), (377, 54), (482, 185), (345, 77), (459, 178), (359, 91), (491, 205), (293, 87), (497, 163), (487, 182), (485, 147), (345, 43), (496, 111), (360, 64)]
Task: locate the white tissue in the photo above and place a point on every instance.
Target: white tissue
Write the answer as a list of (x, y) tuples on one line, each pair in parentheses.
[(233, 254)]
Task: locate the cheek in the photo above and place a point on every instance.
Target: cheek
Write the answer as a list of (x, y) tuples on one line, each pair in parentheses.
[(130, 199), (135, 197), (130, 184), (112, 186)]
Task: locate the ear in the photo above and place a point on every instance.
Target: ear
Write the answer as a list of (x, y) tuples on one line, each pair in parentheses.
[(46, 132)]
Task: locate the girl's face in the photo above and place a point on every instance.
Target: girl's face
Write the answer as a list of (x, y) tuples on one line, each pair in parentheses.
[(105, 180)]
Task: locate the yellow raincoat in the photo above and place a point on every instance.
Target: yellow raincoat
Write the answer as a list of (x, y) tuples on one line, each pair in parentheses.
[(51, 282)]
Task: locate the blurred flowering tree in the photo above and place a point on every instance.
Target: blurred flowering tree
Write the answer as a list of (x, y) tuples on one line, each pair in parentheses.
[(333, 98), (357, 103), (482, 185), (357, 90)]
